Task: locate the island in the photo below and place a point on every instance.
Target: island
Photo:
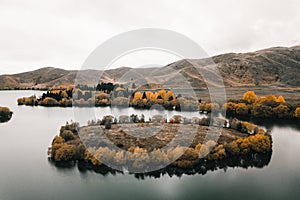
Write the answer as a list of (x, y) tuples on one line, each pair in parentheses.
[(239, 143), (5, 114), (108, 94)]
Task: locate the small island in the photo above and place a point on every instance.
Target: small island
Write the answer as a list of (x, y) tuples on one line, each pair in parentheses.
[(270, 106), (5, 114), (238, 141), (115, 95), (109, 94)]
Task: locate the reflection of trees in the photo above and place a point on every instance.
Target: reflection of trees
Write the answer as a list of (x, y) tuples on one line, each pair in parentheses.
[(257, 160), (270, 123)]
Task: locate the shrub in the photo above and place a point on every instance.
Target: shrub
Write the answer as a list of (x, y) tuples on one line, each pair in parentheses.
[(67, 135), (64, 153), (48, 101)]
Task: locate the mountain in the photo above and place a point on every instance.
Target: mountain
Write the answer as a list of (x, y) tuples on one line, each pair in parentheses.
[(274, 66), (279, 65)]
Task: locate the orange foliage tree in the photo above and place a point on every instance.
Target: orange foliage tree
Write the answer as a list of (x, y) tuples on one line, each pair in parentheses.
[(250, 97), (297, 112)]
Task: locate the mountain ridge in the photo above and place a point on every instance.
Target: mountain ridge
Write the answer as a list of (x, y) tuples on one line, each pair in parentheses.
[(272, 66)]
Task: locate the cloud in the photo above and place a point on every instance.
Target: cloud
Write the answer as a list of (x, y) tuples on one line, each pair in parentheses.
[(62, 33)]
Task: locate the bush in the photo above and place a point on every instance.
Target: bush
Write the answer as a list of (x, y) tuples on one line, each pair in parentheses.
[(64, 152), (67, 135), (48, 101)]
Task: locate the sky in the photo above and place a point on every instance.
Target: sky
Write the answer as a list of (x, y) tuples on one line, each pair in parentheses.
[(62, 33)]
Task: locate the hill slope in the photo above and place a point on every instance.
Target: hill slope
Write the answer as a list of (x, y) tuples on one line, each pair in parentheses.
[(273, 66)]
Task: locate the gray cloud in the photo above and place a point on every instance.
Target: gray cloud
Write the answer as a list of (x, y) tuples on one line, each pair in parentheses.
[(62, 33)]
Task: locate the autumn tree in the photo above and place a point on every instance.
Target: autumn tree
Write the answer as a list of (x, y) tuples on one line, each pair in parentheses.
[(65, 153), (67, 135), (297, 112), (280, 99), (250, 97), (282, 111)]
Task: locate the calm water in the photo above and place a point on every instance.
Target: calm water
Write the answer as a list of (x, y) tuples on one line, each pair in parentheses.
[(25, 172)]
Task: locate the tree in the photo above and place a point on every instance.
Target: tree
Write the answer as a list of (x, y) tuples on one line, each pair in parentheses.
[(67, 135), (133, 86), (48, 101), (270, 98), (280, 99), (250, 97), (65, 153), (297, 112), (241, 109), (282, 111), (137, 95)]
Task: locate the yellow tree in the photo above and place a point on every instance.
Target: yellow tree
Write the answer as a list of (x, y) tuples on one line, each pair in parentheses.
[(169, 96), (271, 98), (64, 94), (138, 95), (250, 96), (280, 99), (297, 112), (149, 94)]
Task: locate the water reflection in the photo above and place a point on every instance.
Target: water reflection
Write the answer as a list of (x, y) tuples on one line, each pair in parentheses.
[(257, 160), (271, 123)]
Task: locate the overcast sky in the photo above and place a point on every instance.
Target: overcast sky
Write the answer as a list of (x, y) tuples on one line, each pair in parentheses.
[(62, 33)]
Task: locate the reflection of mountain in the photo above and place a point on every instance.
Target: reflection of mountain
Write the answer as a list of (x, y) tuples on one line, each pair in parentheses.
[(271, 66), (247, 161)]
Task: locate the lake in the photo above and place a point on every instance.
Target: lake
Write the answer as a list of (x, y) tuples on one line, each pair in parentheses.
[(26, 173)]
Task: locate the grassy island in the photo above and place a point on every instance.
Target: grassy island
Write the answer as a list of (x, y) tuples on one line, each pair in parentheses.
[(241, 141), (108, 94), (5, 114), (252, 106)]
